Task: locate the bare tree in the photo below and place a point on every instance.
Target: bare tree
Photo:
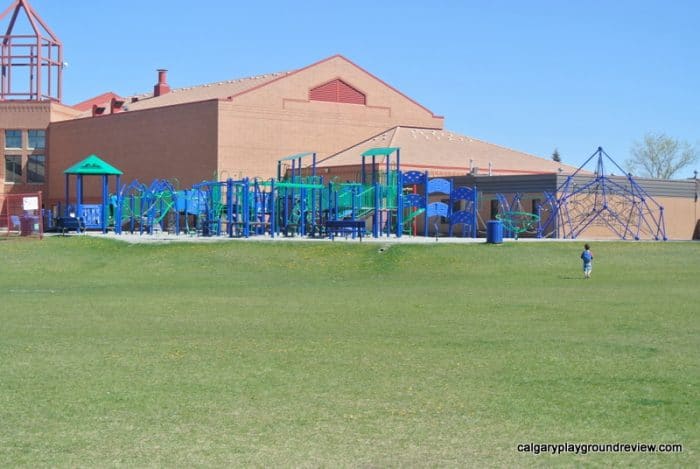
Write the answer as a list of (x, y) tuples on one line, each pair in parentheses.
[(660, 156)]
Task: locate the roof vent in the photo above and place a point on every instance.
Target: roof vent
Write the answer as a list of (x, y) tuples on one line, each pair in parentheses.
[(116, 105), (337, 91)]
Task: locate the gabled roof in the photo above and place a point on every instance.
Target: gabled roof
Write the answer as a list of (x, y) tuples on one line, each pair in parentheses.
[(93, 165), (233, 88), (442, 152), (219, 90), (100, 100)]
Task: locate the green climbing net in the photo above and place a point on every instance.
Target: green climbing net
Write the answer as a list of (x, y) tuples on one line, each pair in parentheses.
[(518, 222)]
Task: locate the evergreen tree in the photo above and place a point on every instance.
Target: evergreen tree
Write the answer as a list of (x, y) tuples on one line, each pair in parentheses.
[(555, 156)]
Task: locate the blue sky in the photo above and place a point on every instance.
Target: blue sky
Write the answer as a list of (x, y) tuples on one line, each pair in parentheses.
[(529, 75)]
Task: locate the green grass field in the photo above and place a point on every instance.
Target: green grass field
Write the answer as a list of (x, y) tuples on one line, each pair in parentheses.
[(334, 354)]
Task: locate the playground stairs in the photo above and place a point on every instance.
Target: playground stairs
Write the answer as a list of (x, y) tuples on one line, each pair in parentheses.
[(365, 212), (361, 213)]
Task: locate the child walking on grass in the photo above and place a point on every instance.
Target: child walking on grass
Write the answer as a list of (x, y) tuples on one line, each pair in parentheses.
[(587, 257)]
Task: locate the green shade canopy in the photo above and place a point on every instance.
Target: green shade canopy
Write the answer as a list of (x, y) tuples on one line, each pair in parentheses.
[(93, 165), (381, 151), (295, 157)]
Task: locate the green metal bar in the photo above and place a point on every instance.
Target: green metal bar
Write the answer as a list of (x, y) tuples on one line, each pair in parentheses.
[(296, 185)]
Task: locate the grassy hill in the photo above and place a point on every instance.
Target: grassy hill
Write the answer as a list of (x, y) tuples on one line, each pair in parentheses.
[(281, 354)]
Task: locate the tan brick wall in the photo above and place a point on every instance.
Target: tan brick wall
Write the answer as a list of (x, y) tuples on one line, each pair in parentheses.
[(60, 112), (680, 217), (171, 142), (247, 134), (278, 120)]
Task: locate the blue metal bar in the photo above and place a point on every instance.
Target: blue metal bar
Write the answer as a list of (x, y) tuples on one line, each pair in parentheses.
[(302, 210), (580, 168), (105, 201), (273, 215), (131, 215), (176, 198), (613, 161), (353, 207), (246, 208), (117, 213), (426, 201), (79, 202), (65, 214), (399, 201), (475, 208), (116, 190), (374, 170), (229, 207), (376, 219)]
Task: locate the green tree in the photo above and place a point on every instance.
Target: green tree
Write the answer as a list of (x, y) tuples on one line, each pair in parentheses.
[(555, 156), (660, 156)]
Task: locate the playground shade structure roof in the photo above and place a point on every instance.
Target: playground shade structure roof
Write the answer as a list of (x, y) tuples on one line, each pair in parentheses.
[(382, 151), (296, 157), (93, 165)]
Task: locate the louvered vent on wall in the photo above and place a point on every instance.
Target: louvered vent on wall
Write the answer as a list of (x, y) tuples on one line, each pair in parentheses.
[(337, 91)]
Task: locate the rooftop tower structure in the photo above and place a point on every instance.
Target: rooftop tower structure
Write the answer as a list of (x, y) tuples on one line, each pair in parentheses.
[(31, 56)]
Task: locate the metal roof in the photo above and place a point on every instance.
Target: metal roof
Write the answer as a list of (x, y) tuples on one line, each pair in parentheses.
[(379, 151), (93, 165)]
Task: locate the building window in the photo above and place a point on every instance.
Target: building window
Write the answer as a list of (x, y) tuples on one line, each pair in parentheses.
[(37, 138), (36, 169), (13, 168), (13, 138), (494, 209), (535, 204)]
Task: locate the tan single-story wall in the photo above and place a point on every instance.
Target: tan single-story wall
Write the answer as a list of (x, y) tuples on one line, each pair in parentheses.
[(680, 218)]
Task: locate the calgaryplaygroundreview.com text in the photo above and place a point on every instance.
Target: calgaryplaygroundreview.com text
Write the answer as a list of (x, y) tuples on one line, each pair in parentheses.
[(586, 448)]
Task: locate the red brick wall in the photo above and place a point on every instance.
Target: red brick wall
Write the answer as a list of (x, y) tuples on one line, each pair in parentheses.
[(22, 116), (171, 142)]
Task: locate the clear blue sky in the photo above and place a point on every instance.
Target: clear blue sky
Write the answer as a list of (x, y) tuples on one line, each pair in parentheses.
[(530, 75)]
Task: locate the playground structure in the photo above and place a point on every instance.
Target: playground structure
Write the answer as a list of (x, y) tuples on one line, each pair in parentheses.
[(618, 205), (301, 203), (463, 198), (384, 201), (516, 221), (144, 207), (93, 216)]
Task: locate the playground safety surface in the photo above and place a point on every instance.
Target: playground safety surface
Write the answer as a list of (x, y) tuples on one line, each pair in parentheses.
[(170, 238)]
